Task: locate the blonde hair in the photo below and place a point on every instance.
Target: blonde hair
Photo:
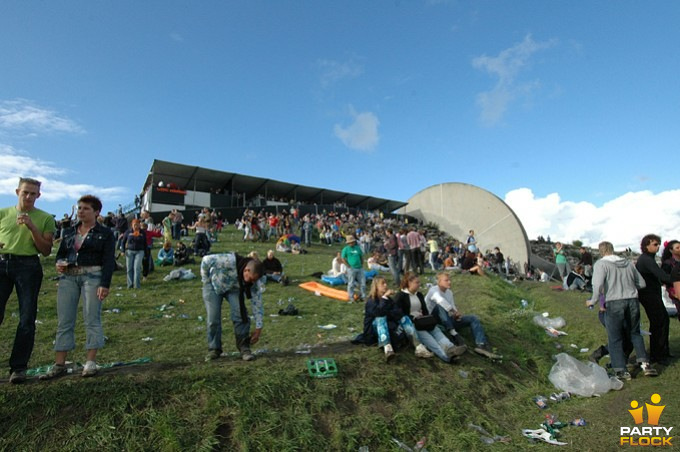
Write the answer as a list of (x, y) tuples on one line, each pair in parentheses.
[(373, 293)]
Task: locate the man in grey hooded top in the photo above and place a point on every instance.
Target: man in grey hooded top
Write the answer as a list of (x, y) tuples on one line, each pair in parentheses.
[(618, 280)]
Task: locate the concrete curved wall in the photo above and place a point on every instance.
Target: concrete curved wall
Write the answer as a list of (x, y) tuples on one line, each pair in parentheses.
[(458, 207)]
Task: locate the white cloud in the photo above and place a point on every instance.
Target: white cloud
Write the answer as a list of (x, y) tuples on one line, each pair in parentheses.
[(15, 164), (362, 134), (506, 67), (622, 221), (21, 115), (333, 71)]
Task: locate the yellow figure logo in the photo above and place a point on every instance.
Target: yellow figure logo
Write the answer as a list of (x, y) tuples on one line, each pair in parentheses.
[(653, 411)]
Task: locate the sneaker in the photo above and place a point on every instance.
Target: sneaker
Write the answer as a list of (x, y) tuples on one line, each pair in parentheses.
[(456, 350), (389, 353), (423, 352), (246, 355), (57, 370), (90, 369), (18, 376), (648, 370), (485, 350), (623, 375), (213, 354)]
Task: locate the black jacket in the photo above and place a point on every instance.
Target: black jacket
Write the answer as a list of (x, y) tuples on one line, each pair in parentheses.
[(98, 248)]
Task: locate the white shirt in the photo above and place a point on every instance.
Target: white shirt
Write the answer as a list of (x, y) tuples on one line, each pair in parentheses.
[(435, 296)]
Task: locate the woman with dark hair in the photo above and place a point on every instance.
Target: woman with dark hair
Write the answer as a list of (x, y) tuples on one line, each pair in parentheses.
[(134, 244), (670, 263), (650, 298), (85, 263), (412, 303)]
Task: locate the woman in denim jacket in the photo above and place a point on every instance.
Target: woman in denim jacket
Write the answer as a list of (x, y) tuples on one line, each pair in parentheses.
[(85, 263)]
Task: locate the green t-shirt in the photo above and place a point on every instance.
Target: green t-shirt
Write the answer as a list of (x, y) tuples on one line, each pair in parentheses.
[(353, 255), (17, 238)]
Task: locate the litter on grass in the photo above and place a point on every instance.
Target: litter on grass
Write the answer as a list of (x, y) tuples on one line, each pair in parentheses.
[(586, 379)]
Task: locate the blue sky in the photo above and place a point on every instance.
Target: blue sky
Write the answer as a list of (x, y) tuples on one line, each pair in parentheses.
[(567, 110)]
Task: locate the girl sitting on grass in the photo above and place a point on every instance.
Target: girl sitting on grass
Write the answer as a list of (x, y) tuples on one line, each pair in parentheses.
[(385, 322)]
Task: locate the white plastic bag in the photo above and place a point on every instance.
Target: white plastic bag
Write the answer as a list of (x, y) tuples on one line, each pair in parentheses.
[(583, 378), (546, 322)]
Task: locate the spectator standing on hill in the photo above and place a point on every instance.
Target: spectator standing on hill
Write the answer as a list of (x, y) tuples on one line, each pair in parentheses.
[(618, 280), (134, 244), (434, 252), (392, 248), (234, 278), (413, 240), (352, 257), (651, 299), (670, 263), (177, 220), (586, 261), (85, 264), (25, 232), (561, 262)]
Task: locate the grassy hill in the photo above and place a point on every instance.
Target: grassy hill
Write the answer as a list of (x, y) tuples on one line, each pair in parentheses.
[(177, 401)]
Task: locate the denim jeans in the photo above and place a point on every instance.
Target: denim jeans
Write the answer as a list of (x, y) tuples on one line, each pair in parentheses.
[(356, 275), (68, 295), (133, 262), (471, 321), (622, 320), (436, 342), (274, 277), (382, 330), (213, 308), (26, 276), (393, 262)]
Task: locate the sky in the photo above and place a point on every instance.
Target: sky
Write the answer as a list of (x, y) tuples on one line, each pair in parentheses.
[(569, 111)]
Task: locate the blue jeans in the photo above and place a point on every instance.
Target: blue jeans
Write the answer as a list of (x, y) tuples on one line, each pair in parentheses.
[(133, 262), (436, 342), (471, 321), (356, 275), (68, 295), (274, 277), (25, 275), (622, 319), (393, 262), (405, 324), (213, 308)]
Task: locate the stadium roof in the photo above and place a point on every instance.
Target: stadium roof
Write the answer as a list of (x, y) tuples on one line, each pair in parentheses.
[(196, 178)]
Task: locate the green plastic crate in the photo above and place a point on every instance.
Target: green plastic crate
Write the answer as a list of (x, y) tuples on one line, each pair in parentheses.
[(322, 367)]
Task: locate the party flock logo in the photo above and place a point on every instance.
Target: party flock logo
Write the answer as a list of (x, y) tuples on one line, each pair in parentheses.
[(653, 435)]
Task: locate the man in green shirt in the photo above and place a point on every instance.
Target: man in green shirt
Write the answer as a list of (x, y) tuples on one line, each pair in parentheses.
[(353, 258), (25, 232)]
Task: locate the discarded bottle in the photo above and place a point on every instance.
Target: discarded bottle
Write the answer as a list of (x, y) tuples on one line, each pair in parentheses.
[(462, 374), (524, 303)]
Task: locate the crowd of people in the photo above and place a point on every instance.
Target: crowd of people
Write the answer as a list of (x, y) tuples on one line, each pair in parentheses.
[(429, 321)]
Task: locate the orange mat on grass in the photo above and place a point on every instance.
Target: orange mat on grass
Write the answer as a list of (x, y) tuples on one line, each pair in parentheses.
[(325, 290)]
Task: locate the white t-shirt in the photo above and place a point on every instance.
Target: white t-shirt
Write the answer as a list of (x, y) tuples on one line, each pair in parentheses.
[(435, 296)]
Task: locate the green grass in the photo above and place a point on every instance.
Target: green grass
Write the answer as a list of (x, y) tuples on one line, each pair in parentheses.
[(180, 402)]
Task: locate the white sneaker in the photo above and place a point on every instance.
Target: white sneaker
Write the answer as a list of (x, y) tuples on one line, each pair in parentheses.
[(423, 352), (90, 369)]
